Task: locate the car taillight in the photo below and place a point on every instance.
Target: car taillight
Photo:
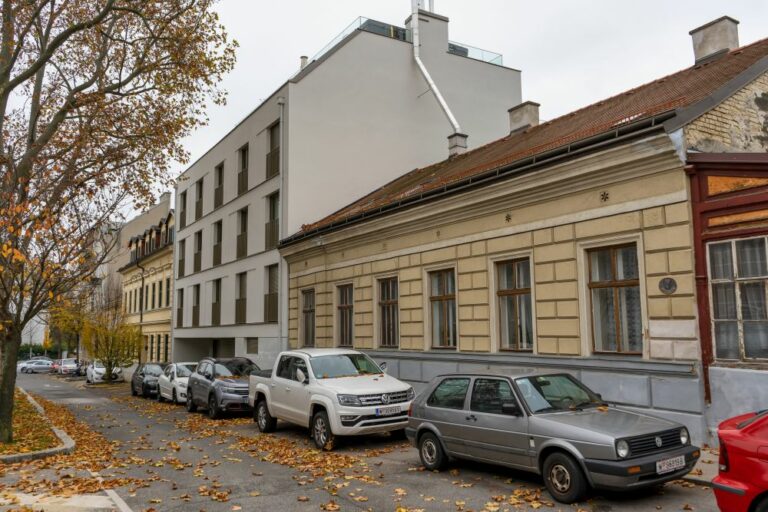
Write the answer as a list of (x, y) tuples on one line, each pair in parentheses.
[(723, 461)]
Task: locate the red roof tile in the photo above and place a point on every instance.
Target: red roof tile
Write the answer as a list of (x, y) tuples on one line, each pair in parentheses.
[(674, 91)]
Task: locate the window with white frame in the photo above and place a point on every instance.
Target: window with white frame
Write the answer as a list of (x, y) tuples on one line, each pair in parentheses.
[(513, 290), (442, 303), (738, 272), (614, 293), (345, 313)]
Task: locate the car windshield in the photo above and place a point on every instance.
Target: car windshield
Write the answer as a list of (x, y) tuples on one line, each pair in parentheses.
[(185, 370), (343, 365), (234, 368), (154, 370), (554, 393), (98, 364)]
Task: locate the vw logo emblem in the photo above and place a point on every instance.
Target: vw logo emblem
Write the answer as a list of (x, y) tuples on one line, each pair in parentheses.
[(385, 398), (659, 442)]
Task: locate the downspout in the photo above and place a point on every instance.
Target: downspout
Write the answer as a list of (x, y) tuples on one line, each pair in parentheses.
[(282, 288), (417, 57)]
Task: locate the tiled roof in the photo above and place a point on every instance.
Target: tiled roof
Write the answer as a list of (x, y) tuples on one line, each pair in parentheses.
[(675, 91)]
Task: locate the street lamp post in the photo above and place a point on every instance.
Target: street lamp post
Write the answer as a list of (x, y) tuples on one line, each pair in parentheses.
[(142, 298)]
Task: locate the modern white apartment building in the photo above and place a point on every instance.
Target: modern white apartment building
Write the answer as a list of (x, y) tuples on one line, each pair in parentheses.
[(368, 104)]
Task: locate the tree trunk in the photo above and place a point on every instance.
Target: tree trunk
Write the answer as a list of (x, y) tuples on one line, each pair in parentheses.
[(11, 340)]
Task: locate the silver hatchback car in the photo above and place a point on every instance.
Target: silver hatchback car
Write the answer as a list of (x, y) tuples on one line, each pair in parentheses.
[(549, 424)]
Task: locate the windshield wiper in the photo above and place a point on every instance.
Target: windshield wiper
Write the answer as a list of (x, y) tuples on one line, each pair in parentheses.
[(549, 409)]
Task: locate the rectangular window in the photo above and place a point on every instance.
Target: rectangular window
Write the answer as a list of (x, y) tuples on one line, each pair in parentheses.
[(160, 293), (180, 308), (308, 318), (345, 313), (218, 184), (738, 274), (242, 233), (167, 348), (183, 210), (449, 394), (199, 199), (514, 303), (217, 236), (389, 314), (167, 292), (196, 305), (614, 289), (272, 228), (242, 173), (252, 345), (270, 298), (216, 302), (198, 255), (273, 156), (153, 295), (182, 261), (241, 294), (442, 302)]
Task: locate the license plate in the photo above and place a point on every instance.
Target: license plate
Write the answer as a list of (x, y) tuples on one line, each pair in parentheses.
[(245, 399), (387, 411), (669, 465)]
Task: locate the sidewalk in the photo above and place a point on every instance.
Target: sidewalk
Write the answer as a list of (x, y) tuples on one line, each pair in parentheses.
[(706, 467)]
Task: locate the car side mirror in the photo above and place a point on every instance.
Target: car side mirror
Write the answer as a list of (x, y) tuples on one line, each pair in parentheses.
[(510, 409), (599, 396), (383, 367), (301, 376)]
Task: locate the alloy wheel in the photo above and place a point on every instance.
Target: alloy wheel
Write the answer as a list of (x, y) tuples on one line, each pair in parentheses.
[(321, 431), (262, 417)]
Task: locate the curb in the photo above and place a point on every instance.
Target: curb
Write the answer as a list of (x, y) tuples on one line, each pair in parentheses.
[(67, 443)]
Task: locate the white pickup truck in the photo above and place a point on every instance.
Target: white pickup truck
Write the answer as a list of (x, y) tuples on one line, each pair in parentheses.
[(334, 392)]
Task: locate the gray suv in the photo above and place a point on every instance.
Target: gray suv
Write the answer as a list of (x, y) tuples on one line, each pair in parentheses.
[(549, 424), (220, 385)]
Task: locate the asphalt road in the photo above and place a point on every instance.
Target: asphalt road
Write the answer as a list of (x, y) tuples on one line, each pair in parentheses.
[(191, 463)]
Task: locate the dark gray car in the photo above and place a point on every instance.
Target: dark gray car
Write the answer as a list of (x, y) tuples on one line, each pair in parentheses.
[(220, 385), (549, 424)]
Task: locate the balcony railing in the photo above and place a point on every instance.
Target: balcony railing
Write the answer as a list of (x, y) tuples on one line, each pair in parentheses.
[(273, 163), (242, 182), (179, 317), (182, 266), (182, 219), (198, 262), (217, 254), (240, 310), (195, 316), (218, 196), (270, 307), (464, 50), (242, 245), (198, 209), (368, 25), (216, 313), (271, 231)]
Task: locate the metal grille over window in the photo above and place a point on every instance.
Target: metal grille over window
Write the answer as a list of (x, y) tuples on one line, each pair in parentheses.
[(389, 321), (442, 297), (738, 271), (615, 300), (346, 315), (514, 293), (308, 318)]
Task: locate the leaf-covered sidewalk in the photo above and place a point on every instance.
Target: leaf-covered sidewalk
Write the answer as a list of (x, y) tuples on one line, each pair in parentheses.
[(31, 432)]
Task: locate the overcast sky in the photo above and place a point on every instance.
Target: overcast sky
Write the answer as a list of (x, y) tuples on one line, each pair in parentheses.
[(571, 53)]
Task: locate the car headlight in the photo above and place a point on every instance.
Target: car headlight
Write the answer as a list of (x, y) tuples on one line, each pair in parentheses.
[(411, 394), (349, 400), (622, 449), (685, 438), (229, 390), (183, 385)]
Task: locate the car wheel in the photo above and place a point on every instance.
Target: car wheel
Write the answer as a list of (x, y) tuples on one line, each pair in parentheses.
[(213, 408), (263, 419), (321, 431), (133, 390), (191, 407), (160, 395), (564, 478), (762, 506), (174, 397), (144, 392), (431, 452)]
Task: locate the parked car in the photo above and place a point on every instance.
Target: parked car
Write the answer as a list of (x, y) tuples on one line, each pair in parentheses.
[(334, 392), (742, 482), (550, 424), (144, 379), (55, 366), (22, 364), (172, 384), (220, 385), (95, 372), (38, 366), (68, 366)]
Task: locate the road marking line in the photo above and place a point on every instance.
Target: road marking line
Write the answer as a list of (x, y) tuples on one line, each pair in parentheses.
[(119, 502)]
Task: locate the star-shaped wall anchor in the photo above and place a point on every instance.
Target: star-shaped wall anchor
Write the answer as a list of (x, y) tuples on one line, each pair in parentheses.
[(508, 217), (604, 196)]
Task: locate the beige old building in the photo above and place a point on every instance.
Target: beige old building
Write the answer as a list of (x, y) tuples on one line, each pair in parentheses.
[(147, 280), (566, 245)]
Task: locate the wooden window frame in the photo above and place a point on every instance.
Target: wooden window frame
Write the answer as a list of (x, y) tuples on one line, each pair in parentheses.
[(513, 292), (345, 315), (305, 311), (627, 283), (445, 300), (382, 305)]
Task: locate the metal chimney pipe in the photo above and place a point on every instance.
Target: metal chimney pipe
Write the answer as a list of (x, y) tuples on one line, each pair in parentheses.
[(304, 61)]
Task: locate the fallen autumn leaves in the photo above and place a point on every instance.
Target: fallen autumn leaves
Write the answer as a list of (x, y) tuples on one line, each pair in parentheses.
[(31, 432)]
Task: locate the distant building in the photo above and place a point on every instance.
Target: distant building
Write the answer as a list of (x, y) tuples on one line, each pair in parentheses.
[(353, 118), (621, 243)]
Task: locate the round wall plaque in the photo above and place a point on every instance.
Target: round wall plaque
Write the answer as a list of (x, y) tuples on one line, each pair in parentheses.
[(668, 286)]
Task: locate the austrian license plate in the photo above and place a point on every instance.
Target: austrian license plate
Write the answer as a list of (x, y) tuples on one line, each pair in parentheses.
[(669, 465), (245, 399), (387, 411)]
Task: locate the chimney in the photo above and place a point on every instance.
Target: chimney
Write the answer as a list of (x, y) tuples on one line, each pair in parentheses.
[(523, 116), (304, 61), (457, 144), (714, 38)]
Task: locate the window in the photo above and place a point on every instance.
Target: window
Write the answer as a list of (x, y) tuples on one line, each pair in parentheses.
[(308, 318), (198, 255), (167, 291), (272, 228), (270, 298), (738, 273), (199, 199), (217, 237), (183, 209), (514, 303), (252, 345), (614, 289), (449, 394), (242, 173), (442, 298), (218, 184), (182, 261), (153, 295), (180, 308), (241, 294), (167, 349), (160, 293), (389, 322), (273, 156), (146, 296), (196, 305), (216, 302), (492, 396), (242, 230), (345, 314)]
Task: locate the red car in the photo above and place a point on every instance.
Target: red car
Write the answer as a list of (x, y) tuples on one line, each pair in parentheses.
[(742, 483)]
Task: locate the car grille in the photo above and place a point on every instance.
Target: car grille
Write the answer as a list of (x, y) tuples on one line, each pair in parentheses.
[(394, 398), (243, 392), (647, 444)]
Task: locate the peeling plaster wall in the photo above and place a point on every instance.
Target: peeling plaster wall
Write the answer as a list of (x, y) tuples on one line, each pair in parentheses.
[(739, 124)]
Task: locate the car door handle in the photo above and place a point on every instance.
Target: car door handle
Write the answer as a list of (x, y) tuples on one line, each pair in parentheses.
[(471, 417), (273, 384)]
